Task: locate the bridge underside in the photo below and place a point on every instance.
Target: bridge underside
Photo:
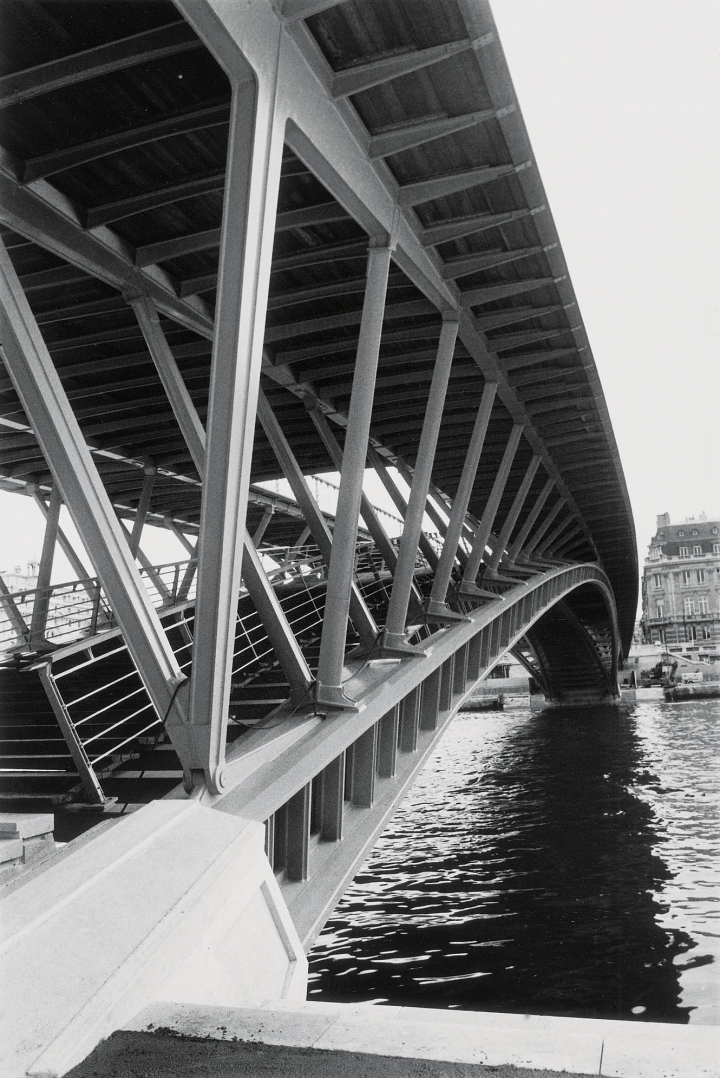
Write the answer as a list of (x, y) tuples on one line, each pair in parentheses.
[(253, 244)]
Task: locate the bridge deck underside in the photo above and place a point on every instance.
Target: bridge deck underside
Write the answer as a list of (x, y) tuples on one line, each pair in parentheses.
[(113, 183)]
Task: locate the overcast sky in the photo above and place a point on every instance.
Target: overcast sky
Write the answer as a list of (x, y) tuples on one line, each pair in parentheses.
[(622, 102), (621, 99)]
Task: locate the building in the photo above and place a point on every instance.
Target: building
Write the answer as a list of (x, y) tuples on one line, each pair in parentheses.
[(681, 586)]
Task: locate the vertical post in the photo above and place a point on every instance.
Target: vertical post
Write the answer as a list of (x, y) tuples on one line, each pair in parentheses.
[(430, 703), (447, 677), (436, 604), (142, 509), (490, 511), (410, 720), (388, 742), (41, 607), (250, 205), (460, 671), (340, 571), (517, 543), (298, 834), (364, 759), (333, 790), (394, 635), (13, 614), (511, 518)]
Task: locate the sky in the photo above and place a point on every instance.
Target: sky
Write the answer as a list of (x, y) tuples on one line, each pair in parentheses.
[(621, 99)]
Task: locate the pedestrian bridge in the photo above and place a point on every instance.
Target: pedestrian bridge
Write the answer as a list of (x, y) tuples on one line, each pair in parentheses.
[(244, 244)]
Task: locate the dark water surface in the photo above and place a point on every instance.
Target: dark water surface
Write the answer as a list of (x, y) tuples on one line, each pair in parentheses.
[(556, 862)]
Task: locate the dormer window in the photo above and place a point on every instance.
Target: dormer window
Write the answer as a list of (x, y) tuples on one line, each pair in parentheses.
[(697, 550), (681, 532), (683, 552), (695, 531)]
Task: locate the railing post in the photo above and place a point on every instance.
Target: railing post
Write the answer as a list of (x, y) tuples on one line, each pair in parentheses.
[(89, 779), (14, 616), (437, 604), (41, 607), (340, 571), (394, 635), (95, 609), (484, 528)]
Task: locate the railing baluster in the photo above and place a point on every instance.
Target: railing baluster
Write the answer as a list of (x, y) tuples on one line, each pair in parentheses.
[(81, 759)]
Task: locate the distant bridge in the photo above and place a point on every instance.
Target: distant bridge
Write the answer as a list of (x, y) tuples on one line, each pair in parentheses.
[(250, 243)]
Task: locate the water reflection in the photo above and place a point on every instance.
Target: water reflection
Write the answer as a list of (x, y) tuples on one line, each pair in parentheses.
[(526, 871)]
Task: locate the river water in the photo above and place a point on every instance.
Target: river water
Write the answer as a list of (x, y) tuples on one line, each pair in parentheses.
[(558, 862)]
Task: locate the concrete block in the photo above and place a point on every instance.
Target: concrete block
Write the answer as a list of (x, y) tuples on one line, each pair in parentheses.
[(176, 902), (26, 824), (11, 849)]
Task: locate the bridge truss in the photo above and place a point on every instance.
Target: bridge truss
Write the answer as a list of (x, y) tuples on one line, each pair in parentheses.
[(239, 247)]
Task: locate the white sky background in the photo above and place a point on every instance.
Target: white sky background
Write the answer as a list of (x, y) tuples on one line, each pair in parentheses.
[(621, 99)]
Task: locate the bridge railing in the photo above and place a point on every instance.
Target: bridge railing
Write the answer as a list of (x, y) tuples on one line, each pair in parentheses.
[(79, 609)]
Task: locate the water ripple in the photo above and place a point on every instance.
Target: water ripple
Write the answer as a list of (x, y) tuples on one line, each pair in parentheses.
[(558, 862)]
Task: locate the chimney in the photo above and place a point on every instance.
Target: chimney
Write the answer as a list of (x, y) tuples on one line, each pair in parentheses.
[(663, 520)]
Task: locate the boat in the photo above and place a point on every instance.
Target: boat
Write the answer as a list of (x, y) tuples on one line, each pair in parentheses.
[(485, 703), (688, 690)]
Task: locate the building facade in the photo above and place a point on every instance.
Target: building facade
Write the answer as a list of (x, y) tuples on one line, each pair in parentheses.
[(681, 587)]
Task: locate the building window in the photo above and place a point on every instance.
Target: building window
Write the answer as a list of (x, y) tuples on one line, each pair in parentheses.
[(702, 605), (695, 531), (701, 576), (681, 532), (705, 632), (697, 550), (683, 552), (657, 580), (716, 548), (691, 633), (660, 610), (686, 577), (689, 606)]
